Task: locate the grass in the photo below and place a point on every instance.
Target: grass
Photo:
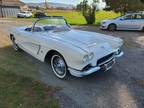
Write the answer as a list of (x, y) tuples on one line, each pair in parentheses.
[(17, 87), (103, 15), (22, 92), (76, 18)]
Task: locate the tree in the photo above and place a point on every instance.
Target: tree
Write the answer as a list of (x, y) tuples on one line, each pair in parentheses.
[(79, 6), (88, 11), (142, 1), (124, 6), (1, 11)]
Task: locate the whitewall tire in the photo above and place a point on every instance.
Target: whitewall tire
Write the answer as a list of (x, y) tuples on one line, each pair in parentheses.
[(59, 66)]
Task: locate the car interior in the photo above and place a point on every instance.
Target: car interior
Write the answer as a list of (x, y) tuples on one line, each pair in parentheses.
[(134, 16), (48, 28), (40, 29)]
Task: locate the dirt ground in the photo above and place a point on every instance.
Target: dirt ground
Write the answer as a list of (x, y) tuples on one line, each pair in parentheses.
[(121, 87)]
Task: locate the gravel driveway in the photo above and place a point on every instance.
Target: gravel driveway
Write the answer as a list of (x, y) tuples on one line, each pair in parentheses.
[(121, 87)]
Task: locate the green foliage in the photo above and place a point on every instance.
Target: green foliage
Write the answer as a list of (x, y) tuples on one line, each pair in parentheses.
[(79, 6), (22, 92), (124, 6), (76, 17), (142, 1)]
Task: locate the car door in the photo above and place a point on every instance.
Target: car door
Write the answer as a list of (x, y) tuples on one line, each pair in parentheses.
[(29, 42), (127, 23)]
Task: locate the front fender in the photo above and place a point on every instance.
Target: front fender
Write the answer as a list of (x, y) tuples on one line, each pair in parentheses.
[(72, 55)]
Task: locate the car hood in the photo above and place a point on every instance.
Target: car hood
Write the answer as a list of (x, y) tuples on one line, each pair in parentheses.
[(86, 40), (105, 20)]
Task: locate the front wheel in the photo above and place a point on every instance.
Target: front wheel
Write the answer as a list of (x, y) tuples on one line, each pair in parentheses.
[(59, 66), (112, 27)]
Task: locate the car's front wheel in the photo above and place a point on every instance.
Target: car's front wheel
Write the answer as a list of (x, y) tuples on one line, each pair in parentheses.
[(112, 27), (59, 66)]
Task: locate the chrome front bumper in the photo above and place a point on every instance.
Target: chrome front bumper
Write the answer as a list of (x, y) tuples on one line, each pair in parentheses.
[(79, 73)]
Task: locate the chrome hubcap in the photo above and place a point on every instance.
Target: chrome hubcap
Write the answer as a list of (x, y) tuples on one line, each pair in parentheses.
[(58, 66), (112, 27)]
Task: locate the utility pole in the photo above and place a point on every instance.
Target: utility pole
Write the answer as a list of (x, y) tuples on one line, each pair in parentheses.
[(46, 5), (1, 8)]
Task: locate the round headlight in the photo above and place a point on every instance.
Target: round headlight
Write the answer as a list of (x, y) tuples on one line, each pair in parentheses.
[(88, 57), (85, 58), (118, 52), (91, 56)]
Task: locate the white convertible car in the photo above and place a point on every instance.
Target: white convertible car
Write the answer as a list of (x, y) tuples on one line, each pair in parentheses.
[(51, 39), (131, 21)]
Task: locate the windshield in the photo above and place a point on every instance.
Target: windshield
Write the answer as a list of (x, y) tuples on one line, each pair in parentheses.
[(56, 24)]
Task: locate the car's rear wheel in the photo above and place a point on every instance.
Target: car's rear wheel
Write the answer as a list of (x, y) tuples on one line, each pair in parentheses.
[(14, 45), (112, 27), (59, 66)]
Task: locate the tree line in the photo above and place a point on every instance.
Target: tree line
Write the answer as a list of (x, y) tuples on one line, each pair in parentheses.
[(124, 6)]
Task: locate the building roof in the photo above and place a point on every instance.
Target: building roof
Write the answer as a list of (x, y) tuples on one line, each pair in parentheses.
[(11, 2)]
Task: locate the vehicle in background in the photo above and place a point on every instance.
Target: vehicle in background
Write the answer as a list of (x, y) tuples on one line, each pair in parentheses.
[(39, 15), (24, 14), (130, 21)]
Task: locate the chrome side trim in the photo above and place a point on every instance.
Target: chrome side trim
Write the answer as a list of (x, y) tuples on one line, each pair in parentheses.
[(39, 49)]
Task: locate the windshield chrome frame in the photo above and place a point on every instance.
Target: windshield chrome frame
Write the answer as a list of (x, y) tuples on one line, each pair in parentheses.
[(49, 17)]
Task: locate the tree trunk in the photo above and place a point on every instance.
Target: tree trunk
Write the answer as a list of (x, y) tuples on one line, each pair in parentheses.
[(1, 9)]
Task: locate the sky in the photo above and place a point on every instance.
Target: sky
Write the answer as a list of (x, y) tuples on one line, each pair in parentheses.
[(73, 2)]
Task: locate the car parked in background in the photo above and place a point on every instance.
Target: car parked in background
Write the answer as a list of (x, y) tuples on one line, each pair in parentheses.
[(131, 21), (51, 39), (24, 14)]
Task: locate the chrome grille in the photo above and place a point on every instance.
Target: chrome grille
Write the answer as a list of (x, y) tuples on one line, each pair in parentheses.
[(104, 59)]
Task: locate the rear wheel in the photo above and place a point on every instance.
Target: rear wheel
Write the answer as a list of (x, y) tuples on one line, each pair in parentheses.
[(59, 66), (112, 27)]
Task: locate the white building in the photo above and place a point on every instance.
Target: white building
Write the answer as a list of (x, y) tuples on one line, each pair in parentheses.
[(9, 8)]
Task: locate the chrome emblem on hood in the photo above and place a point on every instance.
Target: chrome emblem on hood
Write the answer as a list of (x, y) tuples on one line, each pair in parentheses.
[(103, 47)]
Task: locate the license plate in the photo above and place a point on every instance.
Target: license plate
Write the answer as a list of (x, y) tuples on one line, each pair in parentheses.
[(108, 65)]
